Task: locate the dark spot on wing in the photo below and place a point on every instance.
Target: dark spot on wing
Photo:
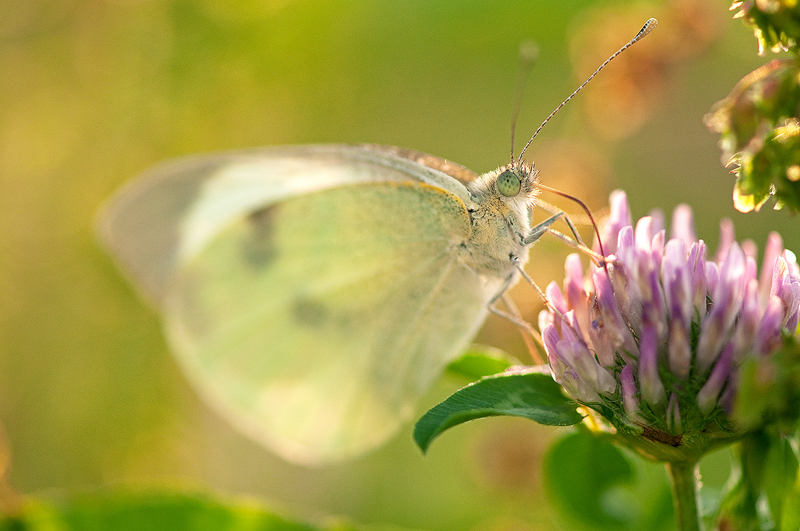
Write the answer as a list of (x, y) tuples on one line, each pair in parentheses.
[(259, 248), (309, 312)]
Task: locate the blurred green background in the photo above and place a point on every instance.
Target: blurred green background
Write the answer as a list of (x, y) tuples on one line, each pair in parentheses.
[(94, 92)]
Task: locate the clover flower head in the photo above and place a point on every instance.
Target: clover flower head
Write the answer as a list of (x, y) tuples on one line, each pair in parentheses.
[(652, 342)]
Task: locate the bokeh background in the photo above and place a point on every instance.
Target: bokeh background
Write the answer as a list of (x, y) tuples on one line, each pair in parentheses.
[(92, 92)]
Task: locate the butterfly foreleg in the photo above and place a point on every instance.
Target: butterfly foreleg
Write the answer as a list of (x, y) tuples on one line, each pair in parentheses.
[(575, 241), (538, 230)]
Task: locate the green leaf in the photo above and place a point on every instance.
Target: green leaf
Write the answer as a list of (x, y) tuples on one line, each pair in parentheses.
[(766, 495), (480, 361), (780, 474), (581, 471), (738, 509), (791, 506), (155, 511), (531, 395), (769, 389)]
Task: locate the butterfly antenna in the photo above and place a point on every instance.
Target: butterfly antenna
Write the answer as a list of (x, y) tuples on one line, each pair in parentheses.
[(647, 28), (528, 52)]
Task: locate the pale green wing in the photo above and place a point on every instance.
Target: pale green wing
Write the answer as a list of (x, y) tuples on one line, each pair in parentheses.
[(171, 211), (458, 172), (312, 294), (318, 322)]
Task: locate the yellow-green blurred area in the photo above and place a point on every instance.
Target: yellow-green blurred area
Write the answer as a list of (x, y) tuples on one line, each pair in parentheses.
[(94, 92)]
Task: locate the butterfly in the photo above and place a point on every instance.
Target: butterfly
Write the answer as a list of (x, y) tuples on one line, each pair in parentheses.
[(313, 294)]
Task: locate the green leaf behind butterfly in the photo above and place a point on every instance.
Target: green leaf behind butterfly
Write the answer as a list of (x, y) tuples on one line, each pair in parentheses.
[(480, 361), (530, 395)]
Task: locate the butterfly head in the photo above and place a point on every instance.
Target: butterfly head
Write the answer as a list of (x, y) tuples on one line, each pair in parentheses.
[(516, 181), (513, 185), (500, 214)]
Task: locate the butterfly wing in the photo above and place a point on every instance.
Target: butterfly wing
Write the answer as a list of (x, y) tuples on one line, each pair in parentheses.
[(312, 294), (458, 172), (172, 210)]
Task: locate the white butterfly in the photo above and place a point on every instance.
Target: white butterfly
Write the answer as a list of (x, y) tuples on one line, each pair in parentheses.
[(313, 294)]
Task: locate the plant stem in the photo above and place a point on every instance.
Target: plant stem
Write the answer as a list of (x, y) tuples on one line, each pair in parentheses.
[(685, 495)]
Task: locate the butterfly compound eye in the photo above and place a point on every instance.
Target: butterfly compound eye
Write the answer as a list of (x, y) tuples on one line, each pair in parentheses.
[(508, 183)]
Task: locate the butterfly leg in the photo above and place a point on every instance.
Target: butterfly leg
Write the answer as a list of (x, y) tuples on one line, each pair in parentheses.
[(531, 336), (536, 287), (538, 230)]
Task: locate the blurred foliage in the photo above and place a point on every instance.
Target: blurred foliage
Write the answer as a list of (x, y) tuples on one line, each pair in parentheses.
[(95, 91), (775, 23), (769, 389), (758, 126), (122, 510), (764, 492), (595, 482), (758, 121)]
